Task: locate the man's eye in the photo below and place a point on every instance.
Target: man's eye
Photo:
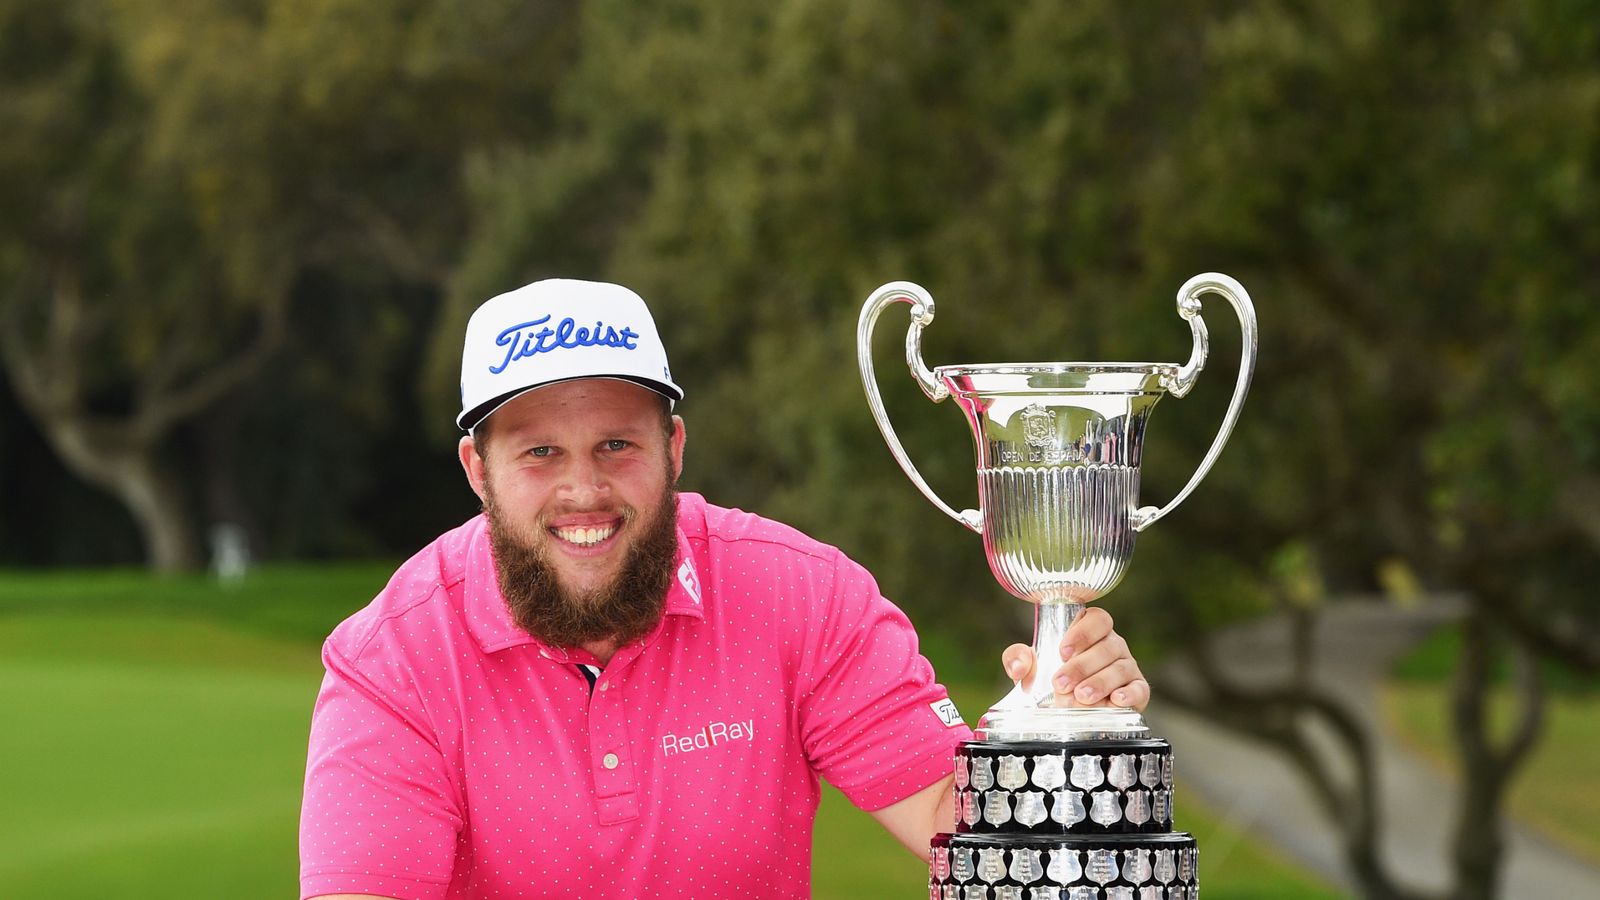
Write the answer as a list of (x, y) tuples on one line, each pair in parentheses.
[(541, 451), (616, 444)]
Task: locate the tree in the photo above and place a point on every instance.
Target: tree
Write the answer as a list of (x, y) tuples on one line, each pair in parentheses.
[(186, 169), (99, 328), (1408, 192), (1439, 215)]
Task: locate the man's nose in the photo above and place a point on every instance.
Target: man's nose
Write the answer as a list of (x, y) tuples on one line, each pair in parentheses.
[(585, 483)]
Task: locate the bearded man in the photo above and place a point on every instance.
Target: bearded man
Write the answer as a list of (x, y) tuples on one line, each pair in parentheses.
[(603, 688)]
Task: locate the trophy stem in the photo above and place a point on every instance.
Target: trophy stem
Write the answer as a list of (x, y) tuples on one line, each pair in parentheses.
[(1029, 711), (1051, 619)]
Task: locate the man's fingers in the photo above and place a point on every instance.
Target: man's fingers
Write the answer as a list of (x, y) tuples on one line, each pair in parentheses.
[(1090, 628), (1017, 660), (1089, 661), (1097, 688), (1136, 695)]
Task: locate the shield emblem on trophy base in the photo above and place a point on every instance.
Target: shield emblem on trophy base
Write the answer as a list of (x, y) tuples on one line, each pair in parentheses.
[(1012, 774), (1106, 810), (1064, 867), (1086, 772), (1066, 807), (1122, 775), (1025, 866), (996, 808), (991, 864), (1049, 771), (1030, 808)]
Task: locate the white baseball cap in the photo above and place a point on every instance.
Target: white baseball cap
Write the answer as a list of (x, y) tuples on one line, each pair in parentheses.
[(557, 330)]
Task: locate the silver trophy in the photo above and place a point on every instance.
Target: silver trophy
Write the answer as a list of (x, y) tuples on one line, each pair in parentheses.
[(1058, 451)]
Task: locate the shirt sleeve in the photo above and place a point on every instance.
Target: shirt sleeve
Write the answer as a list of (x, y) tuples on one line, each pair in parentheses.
[(875, 723), (380, 814)]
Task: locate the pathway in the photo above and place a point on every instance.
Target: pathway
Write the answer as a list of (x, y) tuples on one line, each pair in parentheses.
[(1251, 785)]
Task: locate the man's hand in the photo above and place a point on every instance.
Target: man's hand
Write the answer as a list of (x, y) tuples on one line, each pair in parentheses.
[(1099, 670)]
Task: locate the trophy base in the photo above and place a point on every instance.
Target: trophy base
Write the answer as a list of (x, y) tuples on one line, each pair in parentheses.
[(1064, 867), (1087, 788), (1053, 819)]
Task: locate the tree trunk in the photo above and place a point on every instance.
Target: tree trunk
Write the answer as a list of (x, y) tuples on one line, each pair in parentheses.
[(156, 500), (1487, 766), (46, 341), (127, 466)]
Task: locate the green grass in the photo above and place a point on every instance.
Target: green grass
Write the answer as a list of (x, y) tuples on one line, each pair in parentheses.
[(300, 602), (156, 731), (136, 768)]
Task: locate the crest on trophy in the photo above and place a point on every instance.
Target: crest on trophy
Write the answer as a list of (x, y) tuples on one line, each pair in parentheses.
[(991, 864), (1102, 866), (982, 774), (1030, 808), (1149, 770), (1064, 867), (1137, 810), (1012, 774), (1049, 771), (1025, 866), (1105, 808), (997, 808), (1086, 771), (1136, 866), (1122, 775), (1067, 807)]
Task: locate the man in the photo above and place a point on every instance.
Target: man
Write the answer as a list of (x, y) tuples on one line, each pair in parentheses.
[(602, 688)]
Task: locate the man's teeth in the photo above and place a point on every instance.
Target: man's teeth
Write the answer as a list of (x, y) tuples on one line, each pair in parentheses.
[(585, 537)]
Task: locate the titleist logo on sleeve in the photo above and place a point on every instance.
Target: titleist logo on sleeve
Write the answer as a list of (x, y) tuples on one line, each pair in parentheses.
[(947, 712)]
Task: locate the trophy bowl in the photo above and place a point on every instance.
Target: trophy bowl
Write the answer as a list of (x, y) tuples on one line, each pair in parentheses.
[(1058, 448)]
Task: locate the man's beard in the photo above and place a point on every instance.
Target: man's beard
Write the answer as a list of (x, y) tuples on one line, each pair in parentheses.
[(623, 610)]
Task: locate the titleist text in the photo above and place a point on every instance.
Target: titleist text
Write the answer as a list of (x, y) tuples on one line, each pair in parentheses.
[(528, 339)]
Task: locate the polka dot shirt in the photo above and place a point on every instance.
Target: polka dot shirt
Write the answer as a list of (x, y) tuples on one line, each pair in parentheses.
[(453, 755)]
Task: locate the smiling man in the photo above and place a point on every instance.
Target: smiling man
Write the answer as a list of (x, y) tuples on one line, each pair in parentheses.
[(603, 688)]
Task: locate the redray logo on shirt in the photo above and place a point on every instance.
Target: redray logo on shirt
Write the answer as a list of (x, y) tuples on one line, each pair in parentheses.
[(712, 735)]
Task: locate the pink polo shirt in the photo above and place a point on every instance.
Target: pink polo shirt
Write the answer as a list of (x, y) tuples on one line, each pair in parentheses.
[(453, 755)]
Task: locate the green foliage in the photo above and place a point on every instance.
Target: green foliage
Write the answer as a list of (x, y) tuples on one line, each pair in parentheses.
[(1410, 194)]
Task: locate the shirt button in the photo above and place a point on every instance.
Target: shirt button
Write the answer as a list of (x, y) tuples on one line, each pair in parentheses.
[(610, 761), (605, 686)]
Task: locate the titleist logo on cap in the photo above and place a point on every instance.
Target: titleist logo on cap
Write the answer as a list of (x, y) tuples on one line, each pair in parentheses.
[(522, 340)]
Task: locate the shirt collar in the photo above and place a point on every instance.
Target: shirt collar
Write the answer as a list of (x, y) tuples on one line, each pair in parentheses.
[(489, 620)]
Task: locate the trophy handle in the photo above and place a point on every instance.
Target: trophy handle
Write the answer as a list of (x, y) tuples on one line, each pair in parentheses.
[(1179, 384), (921, 314)]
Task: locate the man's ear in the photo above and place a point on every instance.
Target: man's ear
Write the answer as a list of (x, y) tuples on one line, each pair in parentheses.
[(472, 463), (677, 447)]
